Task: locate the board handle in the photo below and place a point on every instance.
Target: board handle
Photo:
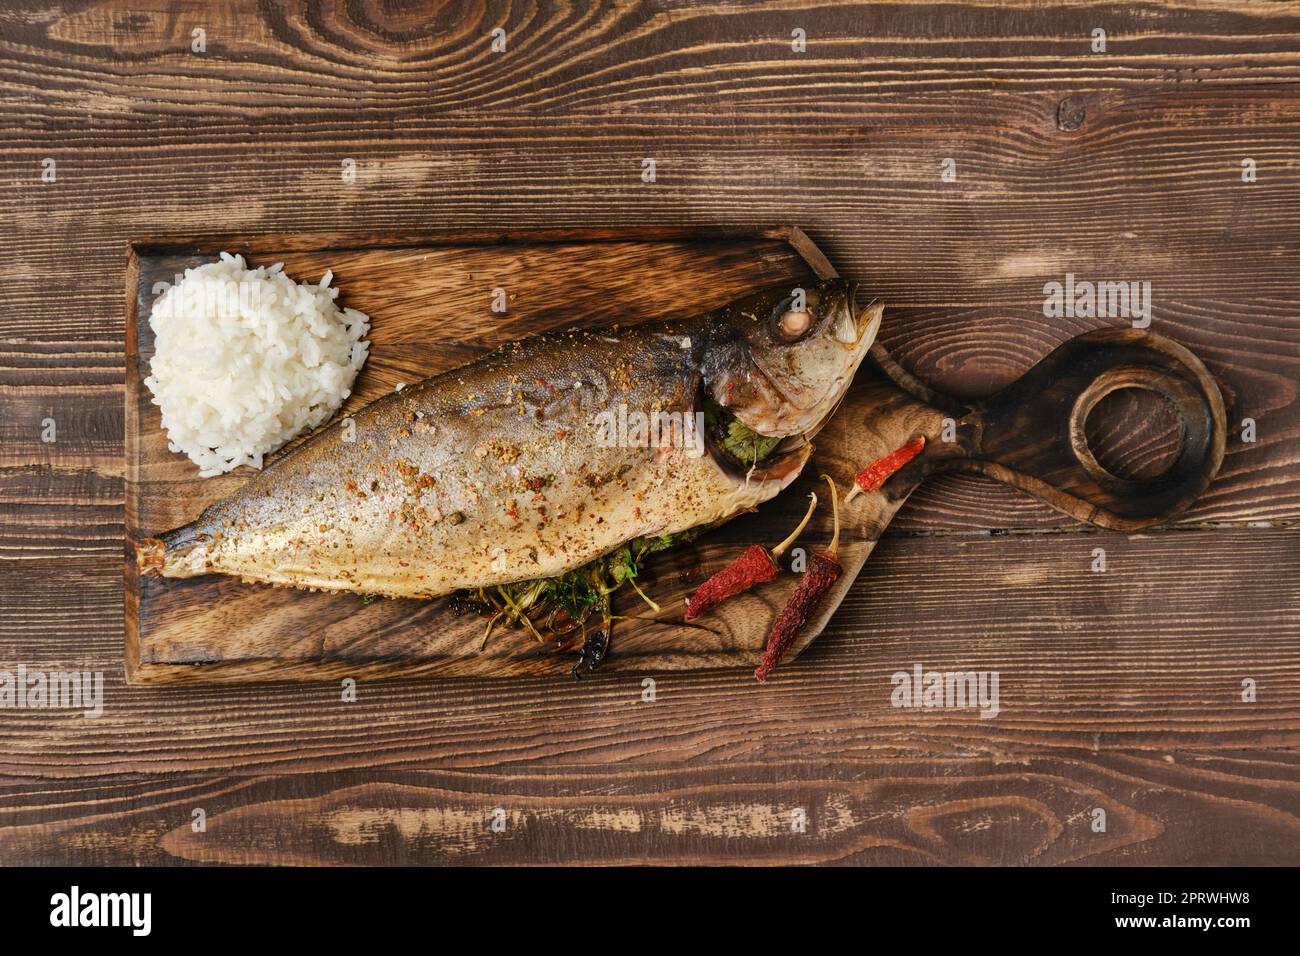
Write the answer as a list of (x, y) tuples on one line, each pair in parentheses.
[(1031, 433)]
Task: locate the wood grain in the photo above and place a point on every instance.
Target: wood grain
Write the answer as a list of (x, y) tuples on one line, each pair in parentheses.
[(607, 58), (1117, 166), (1206, 808)]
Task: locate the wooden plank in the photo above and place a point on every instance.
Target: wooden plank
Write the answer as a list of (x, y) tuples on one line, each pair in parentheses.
[(118, 58), (1148, 656), (1173, 809)]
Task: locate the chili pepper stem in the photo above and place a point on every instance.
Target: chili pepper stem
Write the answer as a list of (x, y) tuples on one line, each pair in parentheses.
[(835, 510), (812, 506), (756, 565)]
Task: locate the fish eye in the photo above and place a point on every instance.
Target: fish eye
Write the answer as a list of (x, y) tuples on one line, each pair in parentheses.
[(793, 324)]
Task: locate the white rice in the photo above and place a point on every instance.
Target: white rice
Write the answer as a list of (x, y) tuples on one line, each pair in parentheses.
[(245, 359)]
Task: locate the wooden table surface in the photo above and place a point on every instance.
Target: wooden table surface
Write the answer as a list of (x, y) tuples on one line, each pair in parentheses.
[(1121, 690)]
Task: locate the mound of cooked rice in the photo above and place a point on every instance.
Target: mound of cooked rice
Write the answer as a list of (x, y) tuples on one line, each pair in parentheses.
[(245, 359)]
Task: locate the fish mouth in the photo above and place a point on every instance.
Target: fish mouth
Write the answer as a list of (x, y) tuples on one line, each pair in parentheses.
[(866, 313), (866, 316), (857, 329)]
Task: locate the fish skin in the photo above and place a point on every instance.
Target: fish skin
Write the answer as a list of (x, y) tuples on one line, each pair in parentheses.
[(495, 472)]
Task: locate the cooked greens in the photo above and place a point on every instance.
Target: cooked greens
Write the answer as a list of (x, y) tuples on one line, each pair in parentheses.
[(553, 608), (736, 438), (747, 445)]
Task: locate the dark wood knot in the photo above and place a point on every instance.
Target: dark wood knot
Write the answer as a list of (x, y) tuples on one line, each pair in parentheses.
[(1070, 113)]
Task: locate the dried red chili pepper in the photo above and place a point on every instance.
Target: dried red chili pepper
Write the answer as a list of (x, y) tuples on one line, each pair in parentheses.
[(754, 566), (823, 571), (873, 476)]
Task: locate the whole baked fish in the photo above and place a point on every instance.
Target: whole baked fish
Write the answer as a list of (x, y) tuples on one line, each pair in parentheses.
[(543, 455)]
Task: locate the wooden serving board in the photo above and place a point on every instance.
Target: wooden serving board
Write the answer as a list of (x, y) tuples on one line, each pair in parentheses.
[(429, 300)]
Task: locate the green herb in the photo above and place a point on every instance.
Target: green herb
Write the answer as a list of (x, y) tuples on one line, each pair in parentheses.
[(574, 592), (644, 546), (746, 444), (736, 438), (368, 599), (557, 606)]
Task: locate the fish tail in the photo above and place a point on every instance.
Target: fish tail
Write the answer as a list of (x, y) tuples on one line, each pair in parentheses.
[(180, 553), (149, 555)]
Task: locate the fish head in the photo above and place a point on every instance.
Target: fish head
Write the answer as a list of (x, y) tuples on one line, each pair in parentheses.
[(792, 354)]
